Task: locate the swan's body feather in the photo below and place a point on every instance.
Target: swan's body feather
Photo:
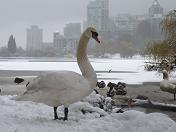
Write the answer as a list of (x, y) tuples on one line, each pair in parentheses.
[(55, 89), (168, 86)]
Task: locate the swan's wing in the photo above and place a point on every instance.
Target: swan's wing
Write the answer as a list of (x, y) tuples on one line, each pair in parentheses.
[(60, 81), (56, 89)]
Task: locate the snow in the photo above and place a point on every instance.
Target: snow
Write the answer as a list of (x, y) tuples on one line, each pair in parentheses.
[(33, 117), (130, 71)]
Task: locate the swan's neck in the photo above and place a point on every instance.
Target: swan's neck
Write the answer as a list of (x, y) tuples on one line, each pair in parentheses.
[(84, 63)]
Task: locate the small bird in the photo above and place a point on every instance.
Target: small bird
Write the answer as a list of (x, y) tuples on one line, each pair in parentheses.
[(18, 80)]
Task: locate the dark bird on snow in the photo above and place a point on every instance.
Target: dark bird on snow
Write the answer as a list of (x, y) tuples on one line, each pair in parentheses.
[(18, 80)]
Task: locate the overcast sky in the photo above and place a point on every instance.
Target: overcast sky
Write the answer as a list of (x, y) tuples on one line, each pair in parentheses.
[(52, 15)]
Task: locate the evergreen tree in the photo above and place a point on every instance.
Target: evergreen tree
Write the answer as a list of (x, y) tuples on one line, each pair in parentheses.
[(11, 45)]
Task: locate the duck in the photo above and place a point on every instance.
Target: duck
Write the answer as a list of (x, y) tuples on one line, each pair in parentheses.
[(65, 87), (167, 85)]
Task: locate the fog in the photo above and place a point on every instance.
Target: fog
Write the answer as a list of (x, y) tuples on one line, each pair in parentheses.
[(52, 15)]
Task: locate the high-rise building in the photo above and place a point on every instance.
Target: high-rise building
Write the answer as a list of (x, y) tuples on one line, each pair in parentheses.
[(98, 14), (34, 38), (72, 30), (59, 41), (156, 10), (126, 22), (149, 29), (64, 45), (156, 14)]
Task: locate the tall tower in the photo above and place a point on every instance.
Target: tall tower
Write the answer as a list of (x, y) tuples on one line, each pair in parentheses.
[(98, 14), (34, 38), (156, 13), (156, 10)]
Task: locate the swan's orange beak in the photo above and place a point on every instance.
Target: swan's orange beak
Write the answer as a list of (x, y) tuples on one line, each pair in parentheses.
[(95, 36)]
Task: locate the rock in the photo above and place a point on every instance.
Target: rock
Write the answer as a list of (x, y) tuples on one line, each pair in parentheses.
[(108, 104), (121, 92), (101, 84)]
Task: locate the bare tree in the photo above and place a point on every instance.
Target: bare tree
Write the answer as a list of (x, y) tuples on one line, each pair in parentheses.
[(169, 27)]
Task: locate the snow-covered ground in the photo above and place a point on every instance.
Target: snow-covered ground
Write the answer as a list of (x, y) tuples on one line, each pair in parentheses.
[(34, 117), (130, 71)]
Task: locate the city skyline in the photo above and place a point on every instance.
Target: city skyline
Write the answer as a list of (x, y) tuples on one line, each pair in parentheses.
[(16, 21)]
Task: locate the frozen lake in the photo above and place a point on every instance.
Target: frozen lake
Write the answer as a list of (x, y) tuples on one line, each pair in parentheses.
[(130, 71)]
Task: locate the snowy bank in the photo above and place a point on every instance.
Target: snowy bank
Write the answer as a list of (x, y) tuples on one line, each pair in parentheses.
[(34, 117)]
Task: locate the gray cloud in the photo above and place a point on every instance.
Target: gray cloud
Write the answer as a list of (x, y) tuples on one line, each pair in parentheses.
[(51, 15)]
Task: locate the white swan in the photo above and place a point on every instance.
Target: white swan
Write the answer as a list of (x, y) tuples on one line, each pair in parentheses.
[(168, 85), (65, 87)]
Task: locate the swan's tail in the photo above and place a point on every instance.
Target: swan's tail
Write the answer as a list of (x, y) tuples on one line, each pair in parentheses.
[(24, 97), (17, 98)]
